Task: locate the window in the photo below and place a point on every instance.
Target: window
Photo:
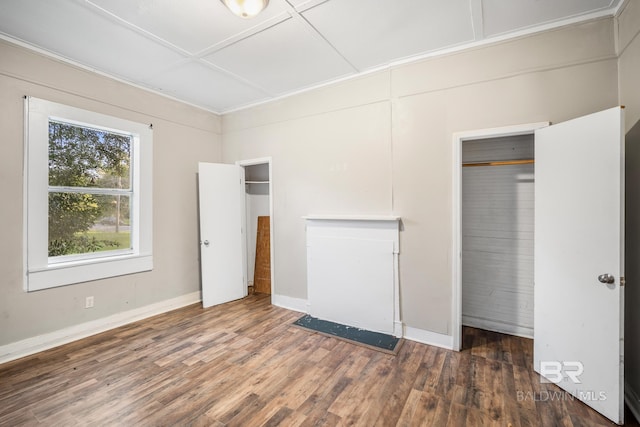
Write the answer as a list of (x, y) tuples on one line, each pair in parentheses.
[(89, 191), (88, 195)]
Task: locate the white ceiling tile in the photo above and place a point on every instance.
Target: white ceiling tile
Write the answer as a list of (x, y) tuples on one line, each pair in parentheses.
[(375, 32), (282, 58), (292, 45), (68, 29), (301, 5), (192, 25), (201, 85), (503, 16)]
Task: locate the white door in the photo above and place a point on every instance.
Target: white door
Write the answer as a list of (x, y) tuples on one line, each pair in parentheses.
[(221, 198), (579, 238)]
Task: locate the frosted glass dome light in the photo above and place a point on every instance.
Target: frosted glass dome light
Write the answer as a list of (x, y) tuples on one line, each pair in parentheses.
[(245, 8)]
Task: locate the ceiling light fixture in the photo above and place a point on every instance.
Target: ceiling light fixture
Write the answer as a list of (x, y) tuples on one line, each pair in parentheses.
[(245, 8)]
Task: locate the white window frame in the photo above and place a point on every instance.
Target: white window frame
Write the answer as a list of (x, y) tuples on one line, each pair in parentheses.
[(42, 271)]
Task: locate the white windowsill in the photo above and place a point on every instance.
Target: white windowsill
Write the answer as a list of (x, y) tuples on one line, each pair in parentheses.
[(77, 272), (352, 217)]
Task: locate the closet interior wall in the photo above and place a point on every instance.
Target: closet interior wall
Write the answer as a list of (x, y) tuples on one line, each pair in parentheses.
[(257, 204), (497, 234)]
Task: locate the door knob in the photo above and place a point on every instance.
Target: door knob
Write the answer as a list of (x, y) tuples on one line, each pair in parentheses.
[(606, 278), (206, 243)]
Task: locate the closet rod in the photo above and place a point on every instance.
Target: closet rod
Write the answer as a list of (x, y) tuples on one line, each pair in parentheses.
[(500, 163)]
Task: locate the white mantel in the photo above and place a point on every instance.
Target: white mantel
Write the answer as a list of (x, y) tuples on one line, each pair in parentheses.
[(352, 217), (352, 270)]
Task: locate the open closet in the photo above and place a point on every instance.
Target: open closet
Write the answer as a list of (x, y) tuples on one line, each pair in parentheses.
[(233, 200), (258, 226), (498, 234), (576, 210)]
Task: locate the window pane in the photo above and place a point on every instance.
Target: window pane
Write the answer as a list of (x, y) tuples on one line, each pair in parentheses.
[(85, 223), (85, 157)]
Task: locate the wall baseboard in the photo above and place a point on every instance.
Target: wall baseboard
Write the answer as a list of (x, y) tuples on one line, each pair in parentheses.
[(413, 334), (428, 337), (290, 303), (50, 340), (632, 399)]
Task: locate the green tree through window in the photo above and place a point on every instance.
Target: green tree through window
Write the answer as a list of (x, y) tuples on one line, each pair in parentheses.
[(89, 189)]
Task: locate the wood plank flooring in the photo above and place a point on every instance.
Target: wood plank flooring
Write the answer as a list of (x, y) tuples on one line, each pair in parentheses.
[(243, 364)]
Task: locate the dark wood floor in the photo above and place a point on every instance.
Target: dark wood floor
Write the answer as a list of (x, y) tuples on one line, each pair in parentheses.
[(243, 364)]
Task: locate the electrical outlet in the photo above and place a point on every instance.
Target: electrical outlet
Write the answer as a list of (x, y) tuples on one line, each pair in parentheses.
[(88, 302)]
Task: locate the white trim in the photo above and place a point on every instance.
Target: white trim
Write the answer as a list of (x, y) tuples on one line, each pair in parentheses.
[(92, 269), (42, 271), (428, 337), (272, 250), (290, 303), (252, 162), (620, 7), (50, 340), (497, 132), (632, 399), (397, 326), (25, 197), (352, 217), (458, 138)]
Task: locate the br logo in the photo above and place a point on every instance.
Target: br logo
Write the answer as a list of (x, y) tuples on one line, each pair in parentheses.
[(556, 372)]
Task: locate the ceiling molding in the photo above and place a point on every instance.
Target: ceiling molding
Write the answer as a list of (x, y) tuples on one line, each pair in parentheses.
[(238, 63)]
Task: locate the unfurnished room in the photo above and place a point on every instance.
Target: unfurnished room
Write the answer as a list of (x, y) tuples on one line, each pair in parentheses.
[(320, 212)]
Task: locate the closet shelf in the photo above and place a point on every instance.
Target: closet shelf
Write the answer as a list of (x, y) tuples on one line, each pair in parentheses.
[(256, 182), (500, 163)]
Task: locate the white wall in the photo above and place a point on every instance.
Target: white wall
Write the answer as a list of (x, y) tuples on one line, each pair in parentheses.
[(383, 143), (183, 135), (629, 62), (321, 164), (373, 145)]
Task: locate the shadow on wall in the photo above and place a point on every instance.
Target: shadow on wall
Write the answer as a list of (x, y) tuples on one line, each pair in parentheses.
[(632, 268)]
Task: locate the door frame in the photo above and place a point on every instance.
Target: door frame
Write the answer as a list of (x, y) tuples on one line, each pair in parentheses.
[(252, 162), (458, 139)]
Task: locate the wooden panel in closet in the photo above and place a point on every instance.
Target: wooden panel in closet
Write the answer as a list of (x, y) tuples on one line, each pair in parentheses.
[(262, 272)]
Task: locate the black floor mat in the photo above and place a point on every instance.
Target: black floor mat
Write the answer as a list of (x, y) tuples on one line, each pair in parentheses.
[(376, 340)]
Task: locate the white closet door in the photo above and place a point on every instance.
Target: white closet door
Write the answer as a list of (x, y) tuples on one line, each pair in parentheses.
[(222, 251), (579, 237)]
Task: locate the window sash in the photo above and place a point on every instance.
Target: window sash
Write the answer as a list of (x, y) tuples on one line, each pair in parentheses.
[(134, 139), (91, 190), (58, 259)]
